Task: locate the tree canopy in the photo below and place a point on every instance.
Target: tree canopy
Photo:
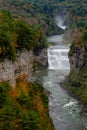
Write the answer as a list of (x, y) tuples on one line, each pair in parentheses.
[(16, 34)]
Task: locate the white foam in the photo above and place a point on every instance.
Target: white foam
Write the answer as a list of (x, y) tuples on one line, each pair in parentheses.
[(58, 58), (69, 104)]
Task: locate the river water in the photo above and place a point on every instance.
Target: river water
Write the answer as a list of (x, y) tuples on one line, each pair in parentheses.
[(64, 110)]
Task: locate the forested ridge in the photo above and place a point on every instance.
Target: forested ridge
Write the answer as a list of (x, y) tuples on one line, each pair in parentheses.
[(42, 12), (16, 34)]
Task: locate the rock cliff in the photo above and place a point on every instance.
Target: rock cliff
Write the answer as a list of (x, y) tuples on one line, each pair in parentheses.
[(78, 57), (76, 82), (41, 60), (24, 65)]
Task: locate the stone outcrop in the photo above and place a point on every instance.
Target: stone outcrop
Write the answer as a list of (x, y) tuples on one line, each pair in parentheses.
[(41, 60), (78, 58), (76, 83), (24, 65)]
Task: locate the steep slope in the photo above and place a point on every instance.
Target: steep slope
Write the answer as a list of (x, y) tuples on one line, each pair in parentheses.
[(77, 80), (23, 105), (24, 108)]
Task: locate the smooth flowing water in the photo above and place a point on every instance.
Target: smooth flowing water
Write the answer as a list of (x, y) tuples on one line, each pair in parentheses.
[(64, 110)]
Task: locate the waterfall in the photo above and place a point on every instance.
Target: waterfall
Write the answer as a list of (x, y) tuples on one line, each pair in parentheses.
[(58, 58)]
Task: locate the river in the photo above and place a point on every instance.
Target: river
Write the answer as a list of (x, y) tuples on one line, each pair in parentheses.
[(64, 110)]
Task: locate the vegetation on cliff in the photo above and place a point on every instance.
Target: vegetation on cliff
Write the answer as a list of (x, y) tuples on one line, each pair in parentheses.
[(24, 107), (43, 12), (79, 40), (77, 84), (77, 79), (33, 13), (16, 34)]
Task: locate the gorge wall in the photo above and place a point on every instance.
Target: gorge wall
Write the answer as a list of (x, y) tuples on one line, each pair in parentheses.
[(78, 57), (24, 65), (76, 82), (26, 105)]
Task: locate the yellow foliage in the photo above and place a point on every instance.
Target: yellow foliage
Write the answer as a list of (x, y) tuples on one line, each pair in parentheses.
[(77, 36), (21, 86), (39, 104), (0, 50)]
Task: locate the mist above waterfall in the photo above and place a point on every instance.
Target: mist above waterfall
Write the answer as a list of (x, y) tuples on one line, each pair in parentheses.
[(60, 22), (61, 18), (58, 54)]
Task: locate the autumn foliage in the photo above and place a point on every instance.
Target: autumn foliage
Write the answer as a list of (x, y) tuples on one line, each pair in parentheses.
[(15, 34), (24, 107)]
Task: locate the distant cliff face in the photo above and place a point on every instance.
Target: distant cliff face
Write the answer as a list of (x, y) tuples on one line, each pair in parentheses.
[(24, 65)]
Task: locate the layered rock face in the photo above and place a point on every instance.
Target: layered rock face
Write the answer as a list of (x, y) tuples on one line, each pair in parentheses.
[(76, 82), (22, 66), (78, 58), (41, 60)]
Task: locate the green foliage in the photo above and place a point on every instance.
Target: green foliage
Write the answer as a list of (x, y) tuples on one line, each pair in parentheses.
[(19, 111), (25, 101), (4, 95), (16, 34), (84, 34), (35, 13), (79, 41), (45, 99), (7, 111), (42, 12), (30, 120)]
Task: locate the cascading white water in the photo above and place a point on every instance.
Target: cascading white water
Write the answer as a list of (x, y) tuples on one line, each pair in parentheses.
[(64, 110), (58, 57)]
